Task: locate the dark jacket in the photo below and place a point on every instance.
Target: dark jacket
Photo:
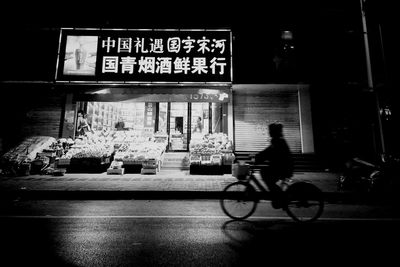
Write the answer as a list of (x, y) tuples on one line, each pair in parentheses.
[(279, 158), (120, 125)]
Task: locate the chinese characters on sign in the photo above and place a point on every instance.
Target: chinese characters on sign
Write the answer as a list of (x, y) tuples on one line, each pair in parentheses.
[(149, 118), (173, 56), (162, 64), (149, 115)]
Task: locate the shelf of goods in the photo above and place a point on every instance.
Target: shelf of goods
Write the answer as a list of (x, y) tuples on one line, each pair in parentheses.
[(92, 153), (211, 154), (96, 151), (141, 154), (17, 161), (87, 157), (89, 154)]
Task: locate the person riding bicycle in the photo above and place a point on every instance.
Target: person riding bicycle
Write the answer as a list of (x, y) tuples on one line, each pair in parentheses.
[(280, 162)]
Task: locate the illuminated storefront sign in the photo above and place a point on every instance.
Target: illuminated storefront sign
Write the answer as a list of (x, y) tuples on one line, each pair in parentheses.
[(222, 95), (207, 97), (149, 114), (145, 55)]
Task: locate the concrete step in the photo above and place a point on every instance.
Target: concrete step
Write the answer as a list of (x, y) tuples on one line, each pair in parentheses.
[(176, 160)]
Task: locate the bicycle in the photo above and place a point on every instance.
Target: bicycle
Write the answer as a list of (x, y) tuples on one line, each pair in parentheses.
[(302, 201)]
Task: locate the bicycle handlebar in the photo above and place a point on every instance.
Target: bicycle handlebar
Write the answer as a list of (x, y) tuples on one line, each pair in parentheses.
[(254, 166)]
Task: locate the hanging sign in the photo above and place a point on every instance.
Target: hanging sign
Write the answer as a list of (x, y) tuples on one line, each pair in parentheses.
[(144, 56)]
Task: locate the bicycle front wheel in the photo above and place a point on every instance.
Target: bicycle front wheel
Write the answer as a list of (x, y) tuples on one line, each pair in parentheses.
[(304, 202), (239, 200)]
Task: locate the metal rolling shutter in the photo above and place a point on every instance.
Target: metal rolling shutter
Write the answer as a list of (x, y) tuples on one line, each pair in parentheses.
[(253, 113), (43, 116)]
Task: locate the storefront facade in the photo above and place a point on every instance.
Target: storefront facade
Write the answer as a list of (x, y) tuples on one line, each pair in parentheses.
[(138, 87), (150, 93)]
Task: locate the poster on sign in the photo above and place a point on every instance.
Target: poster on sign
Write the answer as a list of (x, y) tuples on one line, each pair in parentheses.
[(80, 55)]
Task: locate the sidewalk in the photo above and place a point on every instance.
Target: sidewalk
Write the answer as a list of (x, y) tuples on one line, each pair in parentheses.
[(166, 184)]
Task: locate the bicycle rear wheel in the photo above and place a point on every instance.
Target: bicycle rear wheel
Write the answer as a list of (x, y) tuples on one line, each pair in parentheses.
[(239, 200), (304, 202)]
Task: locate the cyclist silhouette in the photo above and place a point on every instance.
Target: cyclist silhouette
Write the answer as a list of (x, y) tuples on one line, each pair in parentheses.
[(280, 162)]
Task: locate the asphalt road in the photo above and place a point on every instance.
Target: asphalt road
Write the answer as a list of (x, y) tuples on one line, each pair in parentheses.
[(190, 233)]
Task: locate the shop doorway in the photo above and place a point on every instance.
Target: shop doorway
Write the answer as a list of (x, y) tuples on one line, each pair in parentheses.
[(178, 126)]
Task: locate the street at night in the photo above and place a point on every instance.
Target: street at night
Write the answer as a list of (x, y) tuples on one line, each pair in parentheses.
[(124, 124), (190, 233)]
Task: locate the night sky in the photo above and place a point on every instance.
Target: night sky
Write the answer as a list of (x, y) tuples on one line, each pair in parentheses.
[(327, 34)]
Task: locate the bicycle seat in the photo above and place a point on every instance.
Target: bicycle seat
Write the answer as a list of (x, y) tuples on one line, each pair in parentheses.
[(287, 180)]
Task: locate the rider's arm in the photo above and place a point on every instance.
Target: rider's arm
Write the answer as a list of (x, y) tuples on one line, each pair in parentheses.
[(263, 155)]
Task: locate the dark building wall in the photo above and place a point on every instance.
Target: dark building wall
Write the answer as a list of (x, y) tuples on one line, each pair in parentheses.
[(345, 123), (29, 53), (28, 110)]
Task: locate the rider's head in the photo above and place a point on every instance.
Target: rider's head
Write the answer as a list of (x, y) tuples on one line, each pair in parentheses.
[(275, 130)]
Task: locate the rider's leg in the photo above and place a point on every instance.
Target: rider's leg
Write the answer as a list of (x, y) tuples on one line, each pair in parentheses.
[(276, 192)]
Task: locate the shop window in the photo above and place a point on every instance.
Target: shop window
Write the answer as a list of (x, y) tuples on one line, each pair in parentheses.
[(216, 111), (133, 115), (162, 117), (116, 116), (200, 118), (102, 115)]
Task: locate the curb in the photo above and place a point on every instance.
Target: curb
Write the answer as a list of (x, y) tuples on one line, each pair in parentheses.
[(106, 195), (330, 197)]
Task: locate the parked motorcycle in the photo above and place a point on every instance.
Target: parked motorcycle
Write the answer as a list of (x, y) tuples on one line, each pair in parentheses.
[(364, 176)]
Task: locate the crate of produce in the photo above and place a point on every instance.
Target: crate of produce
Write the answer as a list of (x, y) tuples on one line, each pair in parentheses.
[(132, 162), (216, 159), (63, 161), (119, 171), (148, 171), (205, 159), (116, 164), (150, 164), (195, 159), (228, 158)]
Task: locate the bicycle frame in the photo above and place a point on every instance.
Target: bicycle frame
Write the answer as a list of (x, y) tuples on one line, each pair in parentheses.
[(252, 179)]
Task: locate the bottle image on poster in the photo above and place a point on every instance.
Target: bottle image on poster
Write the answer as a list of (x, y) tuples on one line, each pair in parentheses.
[(80, 55)]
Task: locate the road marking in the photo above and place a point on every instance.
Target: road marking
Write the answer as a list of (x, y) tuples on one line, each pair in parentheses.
[(115, 216), (181, 217)]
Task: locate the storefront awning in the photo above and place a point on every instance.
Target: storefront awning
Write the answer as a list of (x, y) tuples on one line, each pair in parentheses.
[(220, 95)]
